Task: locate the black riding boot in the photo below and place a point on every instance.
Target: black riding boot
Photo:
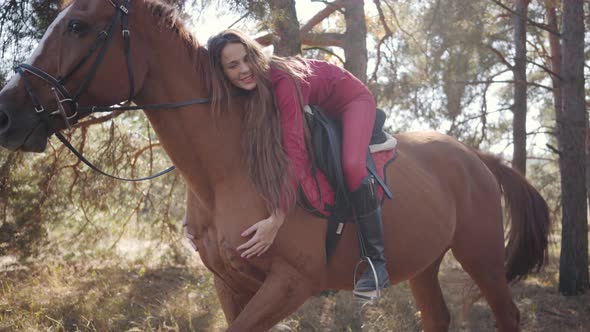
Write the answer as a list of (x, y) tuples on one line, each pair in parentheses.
[(367, 209)]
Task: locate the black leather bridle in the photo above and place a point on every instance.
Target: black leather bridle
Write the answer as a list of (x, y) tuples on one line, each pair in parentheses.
[(65, 100)]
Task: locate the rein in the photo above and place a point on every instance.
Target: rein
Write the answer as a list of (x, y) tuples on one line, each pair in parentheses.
[(66, 101)]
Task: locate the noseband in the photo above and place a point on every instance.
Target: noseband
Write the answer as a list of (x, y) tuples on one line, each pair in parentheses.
[(67, 104)]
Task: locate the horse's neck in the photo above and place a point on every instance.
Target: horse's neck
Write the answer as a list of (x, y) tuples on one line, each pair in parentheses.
[(205, 149)]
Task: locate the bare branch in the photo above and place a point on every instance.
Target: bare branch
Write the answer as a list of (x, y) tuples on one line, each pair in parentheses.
[(382, 17), (388, 34), (477, 116), (505, 81), (325, 50), (541, 158), (484, 113), (529, 21), (538, 46), (434, 15), (311, 39), (500, 56), (326, 2), (321, 15), (545, 68), (323, 39), (548, 88), (399, 26), (238, 20), (139, 152), (554, 149)]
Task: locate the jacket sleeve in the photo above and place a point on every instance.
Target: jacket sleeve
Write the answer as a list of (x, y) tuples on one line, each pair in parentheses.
[(293, 136)]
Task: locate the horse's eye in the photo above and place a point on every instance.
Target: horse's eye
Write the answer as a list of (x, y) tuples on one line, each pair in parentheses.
[(77, 27)]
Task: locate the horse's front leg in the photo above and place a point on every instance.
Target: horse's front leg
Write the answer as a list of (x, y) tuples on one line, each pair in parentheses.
[(283, 291), (232, 301)]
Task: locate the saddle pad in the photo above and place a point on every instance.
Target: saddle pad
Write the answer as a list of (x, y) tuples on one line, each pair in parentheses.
[(382, 155)]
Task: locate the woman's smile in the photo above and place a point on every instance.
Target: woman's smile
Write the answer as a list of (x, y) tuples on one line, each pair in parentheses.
[(236, 66)]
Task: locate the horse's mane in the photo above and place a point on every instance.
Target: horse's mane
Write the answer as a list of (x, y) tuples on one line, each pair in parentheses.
[(170, 17)]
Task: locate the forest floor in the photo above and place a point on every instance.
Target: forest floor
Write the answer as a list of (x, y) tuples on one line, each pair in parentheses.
[(130, 295)]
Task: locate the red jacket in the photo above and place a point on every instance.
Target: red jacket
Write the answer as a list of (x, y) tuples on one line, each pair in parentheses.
[(330, 87)]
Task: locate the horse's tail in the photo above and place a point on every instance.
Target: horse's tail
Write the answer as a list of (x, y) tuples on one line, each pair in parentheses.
[(526, 250)]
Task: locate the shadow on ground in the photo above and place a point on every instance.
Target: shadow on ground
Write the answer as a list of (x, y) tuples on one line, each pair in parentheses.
[(108, 299)]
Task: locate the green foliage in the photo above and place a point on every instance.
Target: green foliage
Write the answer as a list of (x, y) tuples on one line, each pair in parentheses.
[(21, 196), (22, 23), (54, 197), (51, 202), (431, 62)]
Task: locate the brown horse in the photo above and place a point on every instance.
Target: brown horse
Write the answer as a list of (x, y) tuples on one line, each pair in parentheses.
[(447, 196)]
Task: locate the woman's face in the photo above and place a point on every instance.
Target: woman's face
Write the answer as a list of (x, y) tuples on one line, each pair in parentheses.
[(234, 60)]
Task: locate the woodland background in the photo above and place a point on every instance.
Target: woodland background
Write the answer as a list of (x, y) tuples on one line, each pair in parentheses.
[(79, 251)]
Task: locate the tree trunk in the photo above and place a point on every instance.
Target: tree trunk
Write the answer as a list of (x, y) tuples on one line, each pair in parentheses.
[(355, 41), (285, 25), (555, 53), (519, 108), (588, 166), (571, 130)]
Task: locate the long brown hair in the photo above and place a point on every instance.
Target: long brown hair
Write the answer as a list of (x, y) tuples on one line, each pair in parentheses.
[(268, 165)]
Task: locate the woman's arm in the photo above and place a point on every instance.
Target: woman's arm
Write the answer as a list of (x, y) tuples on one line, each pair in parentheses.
[(292, 125), (265, 232)]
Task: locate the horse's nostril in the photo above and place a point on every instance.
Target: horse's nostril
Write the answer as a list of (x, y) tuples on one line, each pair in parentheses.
[(4, 121)]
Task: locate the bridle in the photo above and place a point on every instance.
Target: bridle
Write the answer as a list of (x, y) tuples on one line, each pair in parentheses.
[(65, 100)]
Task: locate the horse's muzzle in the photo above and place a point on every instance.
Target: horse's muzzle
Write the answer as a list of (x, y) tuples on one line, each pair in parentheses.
[(21, 130)]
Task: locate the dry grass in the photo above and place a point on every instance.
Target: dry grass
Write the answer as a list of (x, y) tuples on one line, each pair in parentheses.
[(80, 298), (133, 296), (542, 308)]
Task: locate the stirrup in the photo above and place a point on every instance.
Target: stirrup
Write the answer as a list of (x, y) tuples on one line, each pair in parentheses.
[(366, 297)]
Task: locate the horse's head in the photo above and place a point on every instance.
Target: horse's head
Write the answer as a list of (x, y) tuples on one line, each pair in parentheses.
[(81, 60)]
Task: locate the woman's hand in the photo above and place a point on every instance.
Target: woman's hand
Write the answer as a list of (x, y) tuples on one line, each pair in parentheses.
[(265, 232)]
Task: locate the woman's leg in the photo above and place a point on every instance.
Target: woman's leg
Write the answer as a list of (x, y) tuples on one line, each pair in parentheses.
[(357, 128), (357, 119)]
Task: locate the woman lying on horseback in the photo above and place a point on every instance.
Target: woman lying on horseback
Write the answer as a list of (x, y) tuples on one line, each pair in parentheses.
[(274, 140)]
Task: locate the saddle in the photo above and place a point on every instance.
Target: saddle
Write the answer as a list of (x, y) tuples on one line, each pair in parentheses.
[(324, 144)]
